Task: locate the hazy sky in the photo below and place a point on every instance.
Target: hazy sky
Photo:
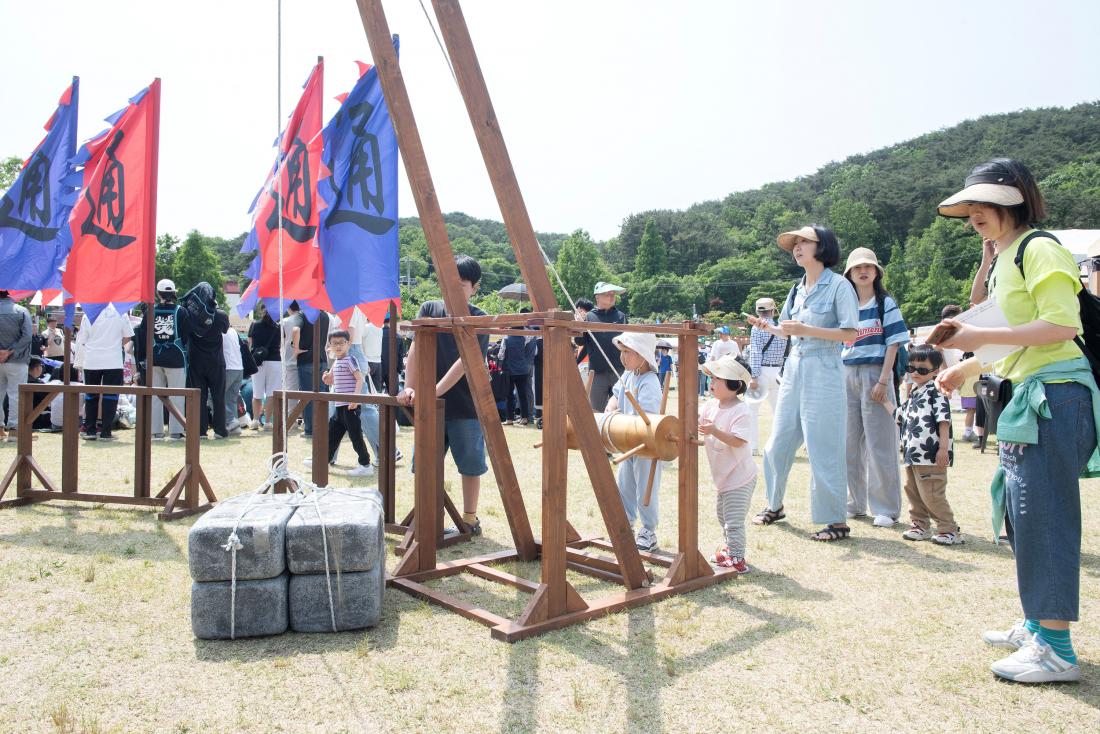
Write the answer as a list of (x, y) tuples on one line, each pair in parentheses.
[(608, 107)]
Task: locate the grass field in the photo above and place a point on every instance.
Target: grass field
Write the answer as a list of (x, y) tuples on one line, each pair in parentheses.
[(873, 633)]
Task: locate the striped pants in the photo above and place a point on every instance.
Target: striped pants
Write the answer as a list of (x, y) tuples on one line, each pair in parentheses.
[(733, 508)]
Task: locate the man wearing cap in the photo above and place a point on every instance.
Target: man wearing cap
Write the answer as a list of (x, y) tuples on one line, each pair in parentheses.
[(603, 357), (725, 345), (54, 338), (171, 334), (765, 359), (15, 352)]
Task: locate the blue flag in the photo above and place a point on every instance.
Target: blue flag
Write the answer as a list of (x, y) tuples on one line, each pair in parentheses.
[(358, 237), (34, 213)]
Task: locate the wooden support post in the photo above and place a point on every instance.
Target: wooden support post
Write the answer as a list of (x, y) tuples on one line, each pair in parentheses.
[(439, 245), (556, 596), (421, 555), (387, 430), (690, 563)]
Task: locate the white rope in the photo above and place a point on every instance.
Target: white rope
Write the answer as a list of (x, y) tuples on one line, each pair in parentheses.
[(442, 50)]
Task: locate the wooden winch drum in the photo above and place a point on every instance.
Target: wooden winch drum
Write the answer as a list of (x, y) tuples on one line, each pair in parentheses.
[(620, 433)]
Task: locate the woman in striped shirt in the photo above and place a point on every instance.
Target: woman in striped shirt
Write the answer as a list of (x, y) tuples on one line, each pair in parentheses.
[(874, 480)]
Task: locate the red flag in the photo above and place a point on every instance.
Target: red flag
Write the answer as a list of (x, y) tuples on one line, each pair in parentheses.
[(114, 219), (292, 191)]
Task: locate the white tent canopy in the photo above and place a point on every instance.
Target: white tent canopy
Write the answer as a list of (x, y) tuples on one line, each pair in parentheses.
[(1083, 243)]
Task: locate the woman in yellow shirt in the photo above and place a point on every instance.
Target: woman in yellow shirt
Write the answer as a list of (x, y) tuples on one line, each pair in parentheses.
[(1040, 469)]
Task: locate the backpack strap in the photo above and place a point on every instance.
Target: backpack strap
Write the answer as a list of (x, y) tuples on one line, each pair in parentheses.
[(1019, 259)]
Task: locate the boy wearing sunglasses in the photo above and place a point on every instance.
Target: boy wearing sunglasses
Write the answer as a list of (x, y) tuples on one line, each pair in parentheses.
[(925, 422)]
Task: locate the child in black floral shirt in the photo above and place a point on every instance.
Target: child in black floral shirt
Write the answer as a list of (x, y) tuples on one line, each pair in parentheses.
[(925, 421)]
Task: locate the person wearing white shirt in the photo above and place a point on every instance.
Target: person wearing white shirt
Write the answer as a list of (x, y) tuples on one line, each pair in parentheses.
[(102, 344), (725, 345), (234, 376)]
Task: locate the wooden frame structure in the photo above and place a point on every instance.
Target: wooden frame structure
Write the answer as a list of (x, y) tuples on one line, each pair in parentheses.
[(178, 498), (554, 603)]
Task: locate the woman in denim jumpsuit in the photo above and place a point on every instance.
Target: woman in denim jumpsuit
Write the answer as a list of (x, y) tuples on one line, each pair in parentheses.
[(820, 314)]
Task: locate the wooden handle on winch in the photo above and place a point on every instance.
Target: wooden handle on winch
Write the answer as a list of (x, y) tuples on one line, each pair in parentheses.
[(649, 484), (637, 406), (623, 457), (664, 395)]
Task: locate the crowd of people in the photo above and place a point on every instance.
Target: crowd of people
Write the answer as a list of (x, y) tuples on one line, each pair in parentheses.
[(836, 363)]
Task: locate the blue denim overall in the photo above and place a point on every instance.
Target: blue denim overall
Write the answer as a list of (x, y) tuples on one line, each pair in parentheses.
[(812, 406)]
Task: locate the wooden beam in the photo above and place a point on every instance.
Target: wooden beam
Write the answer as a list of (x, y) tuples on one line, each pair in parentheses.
[(688, 484), (428, 478), (492, 574), (439, 245)]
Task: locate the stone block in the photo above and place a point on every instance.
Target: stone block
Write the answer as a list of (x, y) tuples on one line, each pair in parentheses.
[(262, 534), (356, 600), (354, 531), (261, 608)]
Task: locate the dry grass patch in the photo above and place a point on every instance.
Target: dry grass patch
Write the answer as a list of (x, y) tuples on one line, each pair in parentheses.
[(874, 632)]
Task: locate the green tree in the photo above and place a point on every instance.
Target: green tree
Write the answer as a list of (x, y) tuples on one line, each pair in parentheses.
[(195, 261), (1073, 194), (9, 171), (652, 257), (855, 226), (166, 255), (579, 267)]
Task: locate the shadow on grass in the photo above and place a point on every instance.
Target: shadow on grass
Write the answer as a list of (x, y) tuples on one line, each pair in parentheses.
[(893, 548), (646, 667), (150, 541), (521, 693), (288, 644)]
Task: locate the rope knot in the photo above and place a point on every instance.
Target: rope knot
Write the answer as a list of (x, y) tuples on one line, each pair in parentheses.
[(232, 543)]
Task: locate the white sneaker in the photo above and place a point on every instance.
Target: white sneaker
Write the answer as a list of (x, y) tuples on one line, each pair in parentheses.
[(1011, 639), (948, 539), (916, 532), (254, 425), (646, 540), (1036, 663), (361, 471), (883, 521), (307, 462)]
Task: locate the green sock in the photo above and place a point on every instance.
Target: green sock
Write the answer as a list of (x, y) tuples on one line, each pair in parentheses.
[(1059, 641), (1032, 626)]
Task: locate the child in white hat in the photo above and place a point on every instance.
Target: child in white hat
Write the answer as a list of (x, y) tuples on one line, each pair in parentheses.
[(639, 377), (726, 423)]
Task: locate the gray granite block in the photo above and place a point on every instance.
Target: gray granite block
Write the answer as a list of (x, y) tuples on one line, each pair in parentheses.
[(356, 600), (262, 535), (261, 608), (354, 531)]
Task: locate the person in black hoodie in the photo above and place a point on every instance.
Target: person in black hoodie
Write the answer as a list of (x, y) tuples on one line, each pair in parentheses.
[(207, 362), (171, 332), (603, 359)]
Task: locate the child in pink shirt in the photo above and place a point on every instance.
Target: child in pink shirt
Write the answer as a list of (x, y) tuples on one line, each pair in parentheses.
[(726, 421)]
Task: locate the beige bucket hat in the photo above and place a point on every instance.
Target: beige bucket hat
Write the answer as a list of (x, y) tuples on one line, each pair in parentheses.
[(603, 287), (728, 367), (765, 304), (786, 240), (862, 256), (643, 344)]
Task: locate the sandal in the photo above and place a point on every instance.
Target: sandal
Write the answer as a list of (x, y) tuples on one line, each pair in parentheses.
[(829, 533), (767, 517)]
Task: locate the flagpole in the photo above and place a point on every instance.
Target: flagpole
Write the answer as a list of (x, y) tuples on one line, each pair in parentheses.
[(144, 439)]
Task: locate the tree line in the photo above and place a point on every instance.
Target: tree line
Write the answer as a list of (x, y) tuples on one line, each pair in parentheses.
[(716, 258)]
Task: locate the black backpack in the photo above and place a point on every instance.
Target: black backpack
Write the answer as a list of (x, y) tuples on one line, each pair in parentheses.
[(1089, 304), (201, 306)]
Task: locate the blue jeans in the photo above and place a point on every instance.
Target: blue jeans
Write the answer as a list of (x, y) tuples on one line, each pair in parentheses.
[(305, 380), (1043, 503), (632, 478)]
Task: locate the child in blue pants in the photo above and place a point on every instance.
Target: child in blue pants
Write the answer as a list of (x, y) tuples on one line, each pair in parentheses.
[(639, 355)]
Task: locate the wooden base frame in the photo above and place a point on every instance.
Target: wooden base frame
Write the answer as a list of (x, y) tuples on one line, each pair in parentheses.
[(555, 603), (178, 498)]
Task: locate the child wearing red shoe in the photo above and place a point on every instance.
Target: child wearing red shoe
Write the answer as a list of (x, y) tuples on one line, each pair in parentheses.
[(725, 421)]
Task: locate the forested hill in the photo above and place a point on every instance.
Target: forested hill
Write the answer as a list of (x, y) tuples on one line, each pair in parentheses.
[(719, 256)]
